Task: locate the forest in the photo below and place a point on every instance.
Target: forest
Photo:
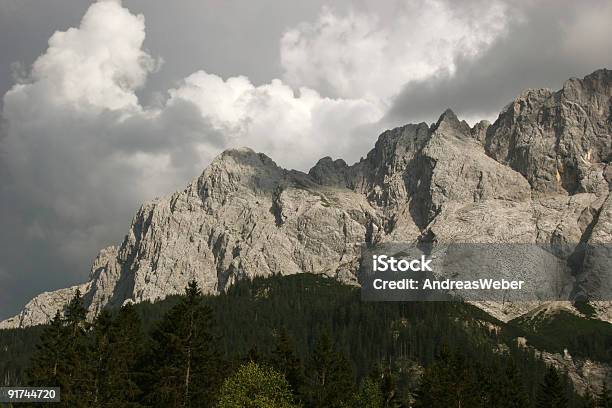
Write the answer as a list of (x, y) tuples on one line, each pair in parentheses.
[(293, 341)]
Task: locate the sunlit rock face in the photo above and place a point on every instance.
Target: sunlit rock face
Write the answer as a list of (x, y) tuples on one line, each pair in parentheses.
[(539, 174)]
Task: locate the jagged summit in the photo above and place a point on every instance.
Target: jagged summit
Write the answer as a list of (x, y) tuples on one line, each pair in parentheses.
[(539, 173), (449, 121)]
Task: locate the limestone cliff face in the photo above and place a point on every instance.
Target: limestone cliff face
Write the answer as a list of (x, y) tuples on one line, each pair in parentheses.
[(539, 174)]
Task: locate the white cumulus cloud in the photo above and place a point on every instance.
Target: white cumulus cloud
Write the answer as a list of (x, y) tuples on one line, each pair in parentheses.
[(365, 55), (82, 152)]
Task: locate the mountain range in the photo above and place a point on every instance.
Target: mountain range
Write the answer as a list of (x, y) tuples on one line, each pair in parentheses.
[(541, 173)]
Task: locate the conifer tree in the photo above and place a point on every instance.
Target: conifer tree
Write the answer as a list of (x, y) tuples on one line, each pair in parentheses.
[(115, 349), (330, 381), (183, 362), (79, 389), (98, 357), (552, 392), (449, 382), (511, 392), (61, 359), (128, 340), (47, 366), (286, 361)]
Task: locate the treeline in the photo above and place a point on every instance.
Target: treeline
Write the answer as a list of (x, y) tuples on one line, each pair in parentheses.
[(287, 342), (582, 337)]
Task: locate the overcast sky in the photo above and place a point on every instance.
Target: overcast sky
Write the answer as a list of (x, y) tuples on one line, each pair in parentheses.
[(106, 105)]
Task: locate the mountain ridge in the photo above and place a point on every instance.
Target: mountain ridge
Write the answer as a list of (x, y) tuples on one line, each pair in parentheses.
[(539, 174)]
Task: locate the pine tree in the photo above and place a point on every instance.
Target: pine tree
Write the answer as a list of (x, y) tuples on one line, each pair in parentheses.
[(115, 349), (330, 381), (98, 357), (47, 366), (255, 386), (127, 349), (552, 392), (449, 382), (79, 391), (183, 363), (286, 361), (604, 398), (511, 393), (62, 358)]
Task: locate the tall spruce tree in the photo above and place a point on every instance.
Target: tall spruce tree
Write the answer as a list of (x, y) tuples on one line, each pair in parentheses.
[(449, 382), (79, 391), (184, 365), (47, 367), (62, 358), (99, 351), (115, 349), (127, 350), (286, 361), (330, 380), (552, 391)]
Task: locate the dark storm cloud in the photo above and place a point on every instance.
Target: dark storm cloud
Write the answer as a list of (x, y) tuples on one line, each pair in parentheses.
[(547, 43)]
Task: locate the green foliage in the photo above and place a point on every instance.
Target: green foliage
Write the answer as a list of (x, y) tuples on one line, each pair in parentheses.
[(585, 308), (255, 386), (451, 381), (370, 394), (315, 332), (388, 388), (510, 392), (93, 364), (552, 391), (581, 336), (183, 364), (115, 353), (380, 390), (60, 358), (330, 381), (287, 362), (16, 349), (48, 365)]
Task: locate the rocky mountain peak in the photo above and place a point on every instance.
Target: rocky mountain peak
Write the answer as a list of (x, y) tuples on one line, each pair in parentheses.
[(559, 141), (330, 172), (238, 169), (449, 123), (536, 175)]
